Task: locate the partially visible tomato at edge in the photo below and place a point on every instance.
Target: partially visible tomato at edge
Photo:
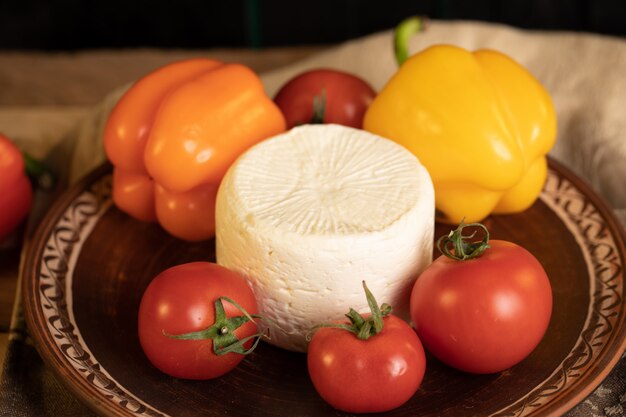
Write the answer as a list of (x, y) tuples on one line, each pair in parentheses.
[(346, 97), (365, 376), (486, 314), (181, 300), (16, 194)]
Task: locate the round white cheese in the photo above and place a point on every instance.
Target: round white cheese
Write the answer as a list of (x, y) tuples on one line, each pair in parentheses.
[(309, 214)]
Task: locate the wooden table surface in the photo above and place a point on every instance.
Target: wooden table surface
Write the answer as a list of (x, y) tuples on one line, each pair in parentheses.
[(58, 88)]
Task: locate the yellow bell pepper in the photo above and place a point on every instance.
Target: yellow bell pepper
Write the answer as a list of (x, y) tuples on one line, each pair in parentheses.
[(478, 121)]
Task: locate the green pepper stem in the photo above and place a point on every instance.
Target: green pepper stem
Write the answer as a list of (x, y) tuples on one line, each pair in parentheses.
[(402, 35), (456, 246)]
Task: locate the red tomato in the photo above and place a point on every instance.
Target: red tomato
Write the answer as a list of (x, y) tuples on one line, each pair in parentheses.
[(181, 300), (16, 193), (486, 314), (374, 374), (345, 97)]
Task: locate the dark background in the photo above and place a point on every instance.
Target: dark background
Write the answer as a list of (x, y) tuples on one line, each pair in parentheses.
[(75, 24)]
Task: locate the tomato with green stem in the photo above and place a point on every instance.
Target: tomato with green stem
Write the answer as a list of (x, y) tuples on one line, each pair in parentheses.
[(196, 320), (325, 96), (368, 364), (484, 306)]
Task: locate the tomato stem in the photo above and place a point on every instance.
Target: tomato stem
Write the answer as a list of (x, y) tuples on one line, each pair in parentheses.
[(38, 172), (456, 246), (222, 331), (362, 327), (319, 108), (402, 35)]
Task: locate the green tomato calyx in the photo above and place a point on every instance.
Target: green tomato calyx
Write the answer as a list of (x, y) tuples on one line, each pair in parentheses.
[(363, 327), (222, 332), (38, 172), (319, 108), (457, 246)]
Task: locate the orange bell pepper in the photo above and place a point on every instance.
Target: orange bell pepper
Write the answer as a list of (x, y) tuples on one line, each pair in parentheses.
[(174, 134)]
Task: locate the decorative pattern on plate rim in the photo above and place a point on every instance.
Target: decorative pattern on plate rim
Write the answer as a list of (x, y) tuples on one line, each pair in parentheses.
[(55, 290), (599, 248), (579, 215)]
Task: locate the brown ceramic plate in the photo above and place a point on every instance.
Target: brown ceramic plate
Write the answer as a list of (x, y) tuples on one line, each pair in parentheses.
[(90, 263)]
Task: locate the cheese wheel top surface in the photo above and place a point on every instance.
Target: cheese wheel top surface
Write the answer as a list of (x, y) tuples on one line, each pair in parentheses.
[(327, 180)]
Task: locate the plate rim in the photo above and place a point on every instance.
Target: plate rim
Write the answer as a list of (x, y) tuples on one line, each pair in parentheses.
[(611, 352), (93, 398)]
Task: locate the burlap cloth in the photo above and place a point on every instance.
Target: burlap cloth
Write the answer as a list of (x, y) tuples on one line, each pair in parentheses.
[(584, 73)]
